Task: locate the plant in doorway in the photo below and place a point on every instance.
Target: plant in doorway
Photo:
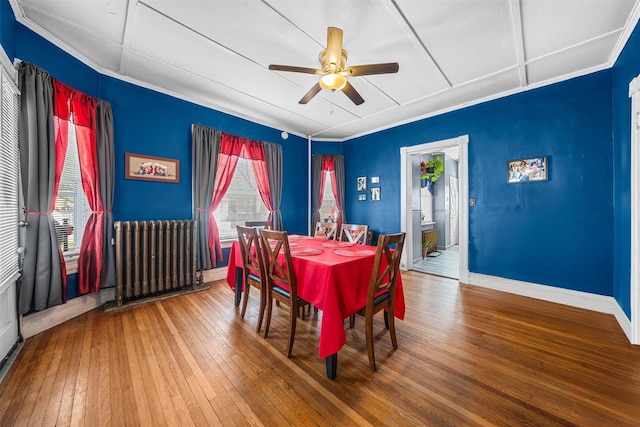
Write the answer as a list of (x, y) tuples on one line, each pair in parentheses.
[(430, 172), (425, 248)]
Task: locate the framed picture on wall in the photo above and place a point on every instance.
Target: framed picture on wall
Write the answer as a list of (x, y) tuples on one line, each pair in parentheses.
[(527, 170), (362, 196), (375, 194), (151, 168), (361, 184)]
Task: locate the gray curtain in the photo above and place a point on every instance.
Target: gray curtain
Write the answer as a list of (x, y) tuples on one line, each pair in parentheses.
[(205, 149), (273, 158), (42, 283), (338, 164), (106, 165), (317, 197)]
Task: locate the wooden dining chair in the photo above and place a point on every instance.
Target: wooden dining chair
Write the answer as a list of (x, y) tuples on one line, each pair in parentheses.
[(280, 280), (354, 233), (381, 293), (259, 224), (252, 269), (326, 230)]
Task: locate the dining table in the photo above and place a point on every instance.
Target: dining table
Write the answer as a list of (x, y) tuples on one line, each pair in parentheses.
[(334, 277)]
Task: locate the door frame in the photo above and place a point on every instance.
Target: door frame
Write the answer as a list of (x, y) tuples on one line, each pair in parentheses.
[(462, 142), (634, 94)]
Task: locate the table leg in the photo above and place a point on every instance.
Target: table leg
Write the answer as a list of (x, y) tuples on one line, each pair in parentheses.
[(331, 363), (238, 287)]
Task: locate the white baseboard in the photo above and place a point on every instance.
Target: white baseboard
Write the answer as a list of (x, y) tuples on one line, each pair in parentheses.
[(40, 321), (214, 274), (586, 300)]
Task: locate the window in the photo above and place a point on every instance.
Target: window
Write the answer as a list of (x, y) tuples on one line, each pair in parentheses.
[(328, 209), (9, 176), (241, 203), (71, 209)]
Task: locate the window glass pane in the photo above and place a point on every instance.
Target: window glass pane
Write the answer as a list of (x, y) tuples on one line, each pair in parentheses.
[(328, 209), (71, 209), (241, 203)]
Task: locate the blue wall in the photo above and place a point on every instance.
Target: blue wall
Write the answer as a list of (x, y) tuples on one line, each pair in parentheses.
[(554, 233), (627, 67), (7, 28)]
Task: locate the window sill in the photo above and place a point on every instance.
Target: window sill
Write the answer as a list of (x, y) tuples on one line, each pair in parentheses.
[(71, 264), (225, 244)]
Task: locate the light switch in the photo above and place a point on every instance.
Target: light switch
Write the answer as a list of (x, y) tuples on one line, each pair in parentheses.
[(472, 202)]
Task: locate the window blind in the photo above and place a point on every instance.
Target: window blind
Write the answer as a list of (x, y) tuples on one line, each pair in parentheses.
[(9, 180)]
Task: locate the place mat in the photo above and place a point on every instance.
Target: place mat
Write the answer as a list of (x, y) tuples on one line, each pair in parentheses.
[(272, 243), (337, 244), (354, 252), (299, 237), (305, 251)]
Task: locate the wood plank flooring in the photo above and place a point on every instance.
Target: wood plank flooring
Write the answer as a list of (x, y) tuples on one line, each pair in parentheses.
[(467, 356)]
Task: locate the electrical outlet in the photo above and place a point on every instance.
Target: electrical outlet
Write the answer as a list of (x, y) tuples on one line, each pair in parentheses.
[(472, 202)]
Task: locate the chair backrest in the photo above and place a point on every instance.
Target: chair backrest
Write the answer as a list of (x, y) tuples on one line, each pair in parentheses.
[(277, 272), (326, 230), (259, 224), (354, 233), (251, 260), (386, 267)]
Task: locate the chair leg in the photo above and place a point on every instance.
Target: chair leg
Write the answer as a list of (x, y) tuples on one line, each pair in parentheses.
[(352, 321), (293, 316), (392, 328), (245, 299), (386, 319), (369, 329), (268, 319), (263, 302)]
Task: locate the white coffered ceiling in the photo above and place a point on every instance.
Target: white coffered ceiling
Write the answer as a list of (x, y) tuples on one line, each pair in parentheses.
[(452, 53)]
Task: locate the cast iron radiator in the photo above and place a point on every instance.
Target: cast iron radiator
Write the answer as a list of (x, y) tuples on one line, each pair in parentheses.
[(154, 257)]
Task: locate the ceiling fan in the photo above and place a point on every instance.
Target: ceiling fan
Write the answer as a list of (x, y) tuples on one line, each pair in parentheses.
[(334, 72)]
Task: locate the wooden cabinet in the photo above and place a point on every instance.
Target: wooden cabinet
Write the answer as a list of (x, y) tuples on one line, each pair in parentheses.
[(432, 237)]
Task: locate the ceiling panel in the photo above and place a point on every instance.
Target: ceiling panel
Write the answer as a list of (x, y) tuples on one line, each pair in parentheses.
[(101, 18), (467, 38), (549, 26), (572, 61)]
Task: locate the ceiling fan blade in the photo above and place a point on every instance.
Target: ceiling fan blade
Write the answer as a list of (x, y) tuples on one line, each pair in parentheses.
[(334, 45), (369, 69), (294, 69), (352, 94), (312, 92)]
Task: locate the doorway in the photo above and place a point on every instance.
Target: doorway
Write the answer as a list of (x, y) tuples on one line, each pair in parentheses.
[(454, 210)]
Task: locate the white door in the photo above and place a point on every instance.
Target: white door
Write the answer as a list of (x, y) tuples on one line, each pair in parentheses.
[(453, 209)]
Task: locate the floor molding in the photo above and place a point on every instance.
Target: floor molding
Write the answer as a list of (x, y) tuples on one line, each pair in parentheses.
[(586, 300), (40, 321)]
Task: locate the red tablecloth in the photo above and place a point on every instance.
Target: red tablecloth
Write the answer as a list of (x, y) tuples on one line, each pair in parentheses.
[(336, 284)]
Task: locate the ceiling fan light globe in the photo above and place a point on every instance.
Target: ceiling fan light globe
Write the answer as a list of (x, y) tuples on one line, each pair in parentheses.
[(333, 81)]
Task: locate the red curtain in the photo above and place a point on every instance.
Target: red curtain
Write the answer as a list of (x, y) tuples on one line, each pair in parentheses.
[(61, 131), (254, 151), (328, 166), (68, 103), (231, 149)]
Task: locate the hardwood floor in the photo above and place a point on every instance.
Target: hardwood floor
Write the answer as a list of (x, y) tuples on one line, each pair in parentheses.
[(466, 356)]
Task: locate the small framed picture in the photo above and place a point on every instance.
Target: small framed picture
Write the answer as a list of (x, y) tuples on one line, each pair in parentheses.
[(362, 196), (375, 194), (151, 168), (375, 179), (362, 183), (527, 170)]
